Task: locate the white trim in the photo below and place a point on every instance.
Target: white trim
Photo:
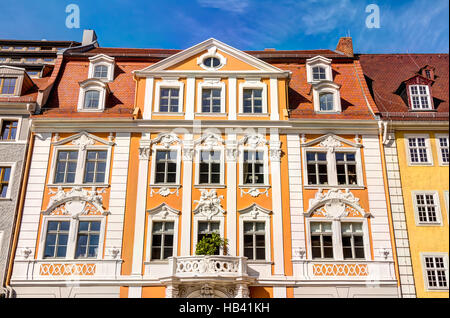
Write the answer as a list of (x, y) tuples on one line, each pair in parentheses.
[(428, 148), (201, 218), (424, 272), (265, 151), (155, 148), (148, 102), (253, 83), (436, 203), (92, 85), (18, 130), (211, 83), (102, 59), (198, 151), (12, 166), (190, 98), (212, 53), (439, 148), (327, 87), (421, 108), (169, 82), (318, 61)]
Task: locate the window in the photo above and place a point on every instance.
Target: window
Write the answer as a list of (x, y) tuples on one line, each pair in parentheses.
[(206, 228), (162, 240), (443, 146), (254, 240), (88, 239), (9, 129), (95, 166), (352, 240), (428, 73), (427, 208), (8, 85), (326, 102), (166, 167), (33, 73), (253, 167), (32, 48), (436, 271), (48, 60), (418, 150), (101, 71), (211, 100), (31, 60), (5, 175), (211, 62), (346, 168), (19, 48), (66, 166), (91, 99), (321, 240), (317, 167), (319, 73), (56, 239), (169, 100), (210, 167), (253, 101), (420, 97)]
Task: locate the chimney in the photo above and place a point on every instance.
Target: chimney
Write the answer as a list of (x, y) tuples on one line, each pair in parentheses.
[(89, 36), (345, 46)]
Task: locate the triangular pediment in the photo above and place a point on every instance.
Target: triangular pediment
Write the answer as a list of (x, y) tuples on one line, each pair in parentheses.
[(232, 60), (331, 140), (82, 138)]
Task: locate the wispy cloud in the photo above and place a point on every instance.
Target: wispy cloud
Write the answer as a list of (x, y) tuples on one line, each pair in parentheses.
[(235, 6)]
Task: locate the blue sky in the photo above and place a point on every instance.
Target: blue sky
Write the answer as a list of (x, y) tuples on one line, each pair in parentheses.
[(416, 26)]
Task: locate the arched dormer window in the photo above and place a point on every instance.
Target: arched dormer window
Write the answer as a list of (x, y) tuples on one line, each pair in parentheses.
[(91, 99), (101, 66), (92, 96), (319, 73), (326, 96), (318, 69), (101, 71)]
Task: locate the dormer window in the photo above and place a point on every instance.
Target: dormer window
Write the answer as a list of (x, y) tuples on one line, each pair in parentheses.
[(326, 96), (92, 96), (326, 102), (420, 97), (8, 85), (319, 73), (102, 67), (91, 99), (318, 69)]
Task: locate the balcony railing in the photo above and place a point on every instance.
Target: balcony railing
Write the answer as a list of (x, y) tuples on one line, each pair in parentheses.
[(225, 266)]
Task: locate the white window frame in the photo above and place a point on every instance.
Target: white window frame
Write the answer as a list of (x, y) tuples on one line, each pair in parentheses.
[(216, 218), (72, 237), (212, 52), (12, 165), (331, 167), (81, 165), (428, 95), (199, 149), (322, 62), (19, 126), (428, 149), (211, 83), (265, 151), (177, 149), (439, 148), (102, 59), (90, 85), (253, 83), (162, 213), (437, 203), (327, 87), (338, 252), (14, 72), (424, 270), (255, 213), (169, 82)]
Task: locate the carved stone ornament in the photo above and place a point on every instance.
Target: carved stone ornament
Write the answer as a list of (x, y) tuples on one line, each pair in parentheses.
[(209, 204), (166, 139), (164, 191), (331, 143), (83, 141), (74, 201), (209, 140), (254, 192), (254, 140), (144, 152)]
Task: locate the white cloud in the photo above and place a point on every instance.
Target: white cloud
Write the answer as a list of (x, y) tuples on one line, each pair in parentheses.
[(236, 6)]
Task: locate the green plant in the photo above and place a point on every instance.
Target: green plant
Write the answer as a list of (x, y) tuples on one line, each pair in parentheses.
[(209, 244)]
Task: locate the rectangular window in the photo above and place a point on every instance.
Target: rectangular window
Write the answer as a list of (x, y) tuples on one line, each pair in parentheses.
[(418, 150), (254, 240), (352, 240), (319, 73), (8, 85), (426, 208), (209, 167), (253, 167), (253, 101), (66, 166), (95, 166), (88, 239), (5, 175), (9, 129), (436, 272), (91, 99), (206, 228), (326, 102), (169, 100), (321, 240), (443, 149), (166, 166), (346, 168), (56, 239), (420, 97), (211, 100), (101, 71), (317, 168), (162, 240)]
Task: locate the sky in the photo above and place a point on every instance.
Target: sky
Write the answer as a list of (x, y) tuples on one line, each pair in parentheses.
[(415, 26)]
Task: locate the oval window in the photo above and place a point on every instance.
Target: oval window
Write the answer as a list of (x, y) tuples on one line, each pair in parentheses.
[(211, 62)]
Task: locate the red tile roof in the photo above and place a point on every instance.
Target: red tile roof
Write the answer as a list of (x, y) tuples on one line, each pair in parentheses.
[(386, 72)]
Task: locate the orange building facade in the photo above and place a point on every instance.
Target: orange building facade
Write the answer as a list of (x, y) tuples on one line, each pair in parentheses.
[(139, 154)]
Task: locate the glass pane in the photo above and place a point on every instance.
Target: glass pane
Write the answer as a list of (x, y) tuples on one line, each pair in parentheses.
[(248, 240), (157, 226), (260, 253), (157, 239), (328, 252), (316, 252), (64, 226), (248, 252), (156, 253), (168, 252), (168, 240), (248, 227)]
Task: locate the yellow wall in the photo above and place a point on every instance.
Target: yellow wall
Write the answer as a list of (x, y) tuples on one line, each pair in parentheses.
[(423, 238)]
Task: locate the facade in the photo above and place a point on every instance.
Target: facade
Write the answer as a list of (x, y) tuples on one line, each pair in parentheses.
[(411, 92), (140, 153)]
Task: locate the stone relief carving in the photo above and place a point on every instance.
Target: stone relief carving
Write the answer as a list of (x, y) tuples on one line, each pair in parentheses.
[(209, 204)]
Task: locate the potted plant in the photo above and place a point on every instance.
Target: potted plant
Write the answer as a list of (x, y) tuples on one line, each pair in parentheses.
[(210, 244)]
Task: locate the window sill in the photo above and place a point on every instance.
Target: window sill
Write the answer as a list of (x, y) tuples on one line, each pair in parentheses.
[(6, 199), (165, 185), (257, 262), (210, 186), (420, 164), (253, 115), (156, 262), (257, 186), (212, 114), (83, 185), (90, 110), (167, 114), (341, 186)]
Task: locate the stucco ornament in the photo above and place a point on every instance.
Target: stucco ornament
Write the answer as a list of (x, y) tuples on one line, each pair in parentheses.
[(83, 141), (166, 140), (209, 204), (331, 143), (254, 140)]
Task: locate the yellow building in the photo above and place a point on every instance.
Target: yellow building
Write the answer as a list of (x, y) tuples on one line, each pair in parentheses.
[(412, 95)]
